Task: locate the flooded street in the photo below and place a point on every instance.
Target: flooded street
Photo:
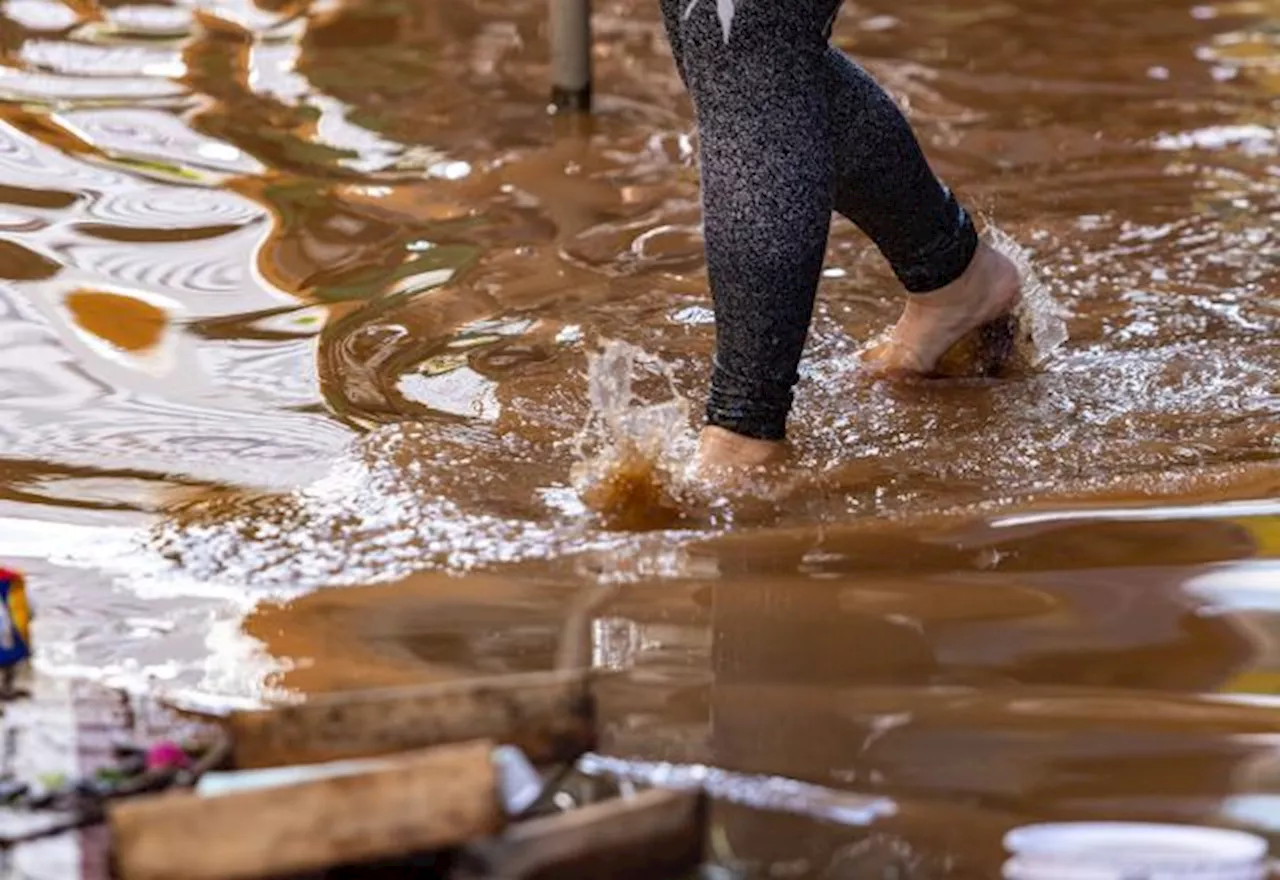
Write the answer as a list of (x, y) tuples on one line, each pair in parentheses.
[(297, 301)]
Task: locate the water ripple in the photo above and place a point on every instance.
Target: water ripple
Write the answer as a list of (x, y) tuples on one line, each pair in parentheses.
[(89, 60), (307, 297), (167, 208), (154, 135), (40, 15)]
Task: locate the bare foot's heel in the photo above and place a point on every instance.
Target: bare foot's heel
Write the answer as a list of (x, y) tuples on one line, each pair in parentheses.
[(720, 450), (967, 328)]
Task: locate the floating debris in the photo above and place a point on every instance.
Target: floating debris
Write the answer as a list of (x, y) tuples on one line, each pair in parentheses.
[(15, 631)]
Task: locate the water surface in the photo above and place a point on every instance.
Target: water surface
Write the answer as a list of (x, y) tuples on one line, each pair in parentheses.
[(296, 306)]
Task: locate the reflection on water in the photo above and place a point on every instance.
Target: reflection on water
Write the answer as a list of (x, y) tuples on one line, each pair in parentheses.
[(305, 295)]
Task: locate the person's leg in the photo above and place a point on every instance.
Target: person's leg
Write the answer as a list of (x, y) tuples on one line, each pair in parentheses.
[(775, 145), (884, 184), (886, 187), (671, 11), (768, 179)]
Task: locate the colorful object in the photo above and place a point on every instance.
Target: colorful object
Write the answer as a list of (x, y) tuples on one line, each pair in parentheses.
[(165, 755), (15, 620)]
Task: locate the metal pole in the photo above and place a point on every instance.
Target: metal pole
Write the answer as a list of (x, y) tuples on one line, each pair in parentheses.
[(571, 54)]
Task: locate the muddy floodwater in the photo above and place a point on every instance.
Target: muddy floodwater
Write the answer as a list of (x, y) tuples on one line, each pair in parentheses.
[(298, 302)]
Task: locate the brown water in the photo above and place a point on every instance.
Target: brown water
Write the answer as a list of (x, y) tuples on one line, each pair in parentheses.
[(301, 295)]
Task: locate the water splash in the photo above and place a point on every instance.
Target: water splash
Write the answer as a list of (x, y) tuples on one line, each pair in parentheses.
[(1021, 342), (633, 459), (1041, 319)]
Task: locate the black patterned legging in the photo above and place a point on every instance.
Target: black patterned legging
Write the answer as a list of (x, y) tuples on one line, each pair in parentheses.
[(789, 129)]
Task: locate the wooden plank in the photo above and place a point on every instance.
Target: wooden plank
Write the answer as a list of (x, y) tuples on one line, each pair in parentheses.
[(424, 801), (551, 716), (652, 835)]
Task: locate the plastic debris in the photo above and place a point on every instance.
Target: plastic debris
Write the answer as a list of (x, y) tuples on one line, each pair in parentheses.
[(166, 755), (15, 631), (519, 781), (232, 781)]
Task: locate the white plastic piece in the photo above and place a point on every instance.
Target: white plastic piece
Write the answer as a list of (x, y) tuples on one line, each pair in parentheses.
[(1133, 851), (214, 784), (518, 780)]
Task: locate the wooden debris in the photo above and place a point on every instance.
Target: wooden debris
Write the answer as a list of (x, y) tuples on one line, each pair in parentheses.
[(550, 716), (426, 800), (652, 835)]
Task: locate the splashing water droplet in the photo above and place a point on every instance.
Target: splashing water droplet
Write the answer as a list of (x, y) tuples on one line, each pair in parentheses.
[(633, 458), (1041, 319), (1015, 344)]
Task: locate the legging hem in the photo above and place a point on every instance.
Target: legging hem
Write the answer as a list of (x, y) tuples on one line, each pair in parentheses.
[(942, 263)]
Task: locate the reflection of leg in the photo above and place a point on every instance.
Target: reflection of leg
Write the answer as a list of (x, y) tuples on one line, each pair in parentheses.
[(781, 652)]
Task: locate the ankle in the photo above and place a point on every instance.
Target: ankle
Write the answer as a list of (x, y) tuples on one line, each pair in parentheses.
[(976, 280)]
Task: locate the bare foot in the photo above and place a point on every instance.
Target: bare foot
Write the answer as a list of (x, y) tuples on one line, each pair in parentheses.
[(933, 322), (722, 450)]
